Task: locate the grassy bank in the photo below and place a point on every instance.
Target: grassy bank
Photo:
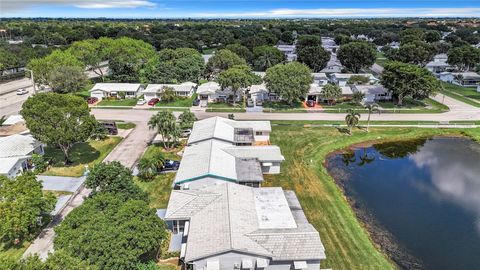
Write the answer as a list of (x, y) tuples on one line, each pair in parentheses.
[(81, 154), (467, 95), (347, 244)]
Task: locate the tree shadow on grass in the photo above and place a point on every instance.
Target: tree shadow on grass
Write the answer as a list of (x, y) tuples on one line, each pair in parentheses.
[(80, 153), (344, 131)]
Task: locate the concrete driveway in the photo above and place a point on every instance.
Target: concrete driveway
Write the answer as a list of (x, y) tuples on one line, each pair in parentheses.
[(60, 183)]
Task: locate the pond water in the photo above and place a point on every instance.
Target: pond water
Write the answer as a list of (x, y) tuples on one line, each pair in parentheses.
[(425, 194)]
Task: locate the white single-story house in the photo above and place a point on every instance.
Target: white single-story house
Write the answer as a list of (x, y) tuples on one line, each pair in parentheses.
[(186, 89), (289, 51), (16, 154), (333, 65), (468, 79), (373, 92), (260, 92), (105, 90), (315, 93), (445, 76), (438, 64), (221, 149), (342, 78), (213, 92), (232, 227)]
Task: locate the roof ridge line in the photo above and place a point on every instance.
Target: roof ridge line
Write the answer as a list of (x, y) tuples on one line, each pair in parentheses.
[(229, 216)]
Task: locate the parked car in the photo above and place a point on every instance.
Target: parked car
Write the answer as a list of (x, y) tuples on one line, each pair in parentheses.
[(22, 91), (170, 165), (250, 103), (311, 103), (92, 100), (111, 127), (141, 101), (186, 133), (153, 101), (259, 102), (196, 102)]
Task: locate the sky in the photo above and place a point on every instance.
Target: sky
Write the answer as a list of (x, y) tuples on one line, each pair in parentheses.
[(238, 8)]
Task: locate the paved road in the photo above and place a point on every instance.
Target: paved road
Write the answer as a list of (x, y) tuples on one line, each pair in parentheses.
[(60, 183), (10, 102)]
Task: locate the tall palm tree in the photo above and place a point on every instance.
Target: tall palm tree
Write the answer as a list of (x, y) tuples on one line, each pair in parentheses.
[(166, 125), (371, 107), (147, 168), (351, 119)]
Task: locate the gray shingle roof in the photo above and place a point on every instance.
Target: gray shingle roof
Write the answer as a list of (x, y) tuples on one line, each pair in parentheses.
[(230, 220)]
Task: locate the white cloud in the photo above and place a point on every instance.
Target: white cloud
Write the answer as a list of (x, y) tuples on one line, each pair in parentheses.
[(19, 5), (351, 13)]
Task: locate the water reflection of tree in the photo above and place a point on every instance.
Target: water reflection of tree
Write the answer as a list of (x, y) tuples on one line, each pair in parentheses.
[(365, 158), (399, 149), (348, 157)]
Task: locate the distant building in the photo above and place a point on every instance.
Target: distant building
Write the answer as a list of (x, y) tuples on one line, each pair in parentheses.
[(289, 51), (213, 92), (341, 79), (16, 154), (221, 149), (438, 64), (468, 79), (373, 93), (232, 227), (315, 93)]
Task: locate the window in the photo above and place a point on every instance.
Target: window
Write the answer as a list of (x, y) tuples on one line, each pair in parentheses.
[(258, 133)]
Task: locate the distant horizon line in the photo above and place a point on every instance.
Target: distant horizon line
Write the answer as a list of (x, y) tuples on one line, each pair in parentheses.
[(245, 18)]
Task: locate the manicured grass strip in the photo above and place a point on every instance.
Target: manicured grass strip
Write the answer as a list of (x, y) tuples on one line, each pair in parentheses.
[(118, 102), (178, 102), (347, 244), (126, 125), (226, 109), (81, 154)]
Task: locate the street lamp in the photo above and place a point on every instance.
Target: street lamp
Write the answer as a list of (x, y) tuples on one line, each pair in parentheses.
[(33, 81)]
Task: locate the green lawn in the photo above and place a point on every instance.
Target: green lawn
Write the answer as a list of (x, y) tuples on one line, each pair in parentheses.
[(13, 252), (123, 125), (225, 107), (159, 188), (178, 102), (118, 102), (347, 244), (81, 154), (467, 95)]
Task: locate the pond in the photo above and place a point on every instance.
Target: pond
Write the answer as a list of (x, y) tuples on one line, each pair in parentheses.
[(419, 199)]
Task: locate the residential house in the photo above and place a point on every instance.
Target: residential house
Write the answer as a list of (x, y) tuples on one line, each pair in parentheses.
[(213, 92), (221, 149), (373, 93), (341, 79), (445, 76), (16, 154), (438, 64), (315, 93), (320, 78), (260, 92), (186, 89), (468, 79), (232, 227), (289, 51), (328, 43), (333, 65), (117, 90)]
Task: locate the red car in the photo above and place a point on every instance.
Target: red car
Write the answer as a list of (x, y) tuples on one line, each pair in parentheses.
[(153, 101), (92, 100), (311, 103)]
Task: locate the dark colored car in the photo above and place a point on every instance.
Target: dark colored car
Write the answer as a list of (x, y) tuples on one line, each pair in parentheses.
[(111, 127), (311, 103), (170, 165), (92, 100), (153, 101), (196, 102)]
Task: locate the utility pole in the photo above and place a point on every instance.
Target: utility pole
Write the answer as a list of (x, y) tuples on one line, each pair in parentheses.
[(33, 81)]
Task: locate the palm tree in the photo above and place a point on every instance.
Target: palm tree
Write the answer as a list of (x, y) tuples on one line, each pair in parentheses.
[(358, 97), (352, 118), (371, 107), (331, 92), (166, 125), (147, 168)]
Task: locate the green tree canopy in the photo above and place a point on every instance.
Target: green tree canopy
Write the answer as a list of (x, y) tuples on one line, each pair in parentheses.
[(127, 57), (23, 206), (44, 68), (342, 39), (266, 56), (308, 41), (432, 36), (59, 120), (59, 260), (407, 80), (241, 51), (111, 233), (223, 60), (315, 57), (357, 55), (236, 78), (92, 52), (415, 52), (290, 81), (187, 118), (464, 57), (114, 178), (68, 79)]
